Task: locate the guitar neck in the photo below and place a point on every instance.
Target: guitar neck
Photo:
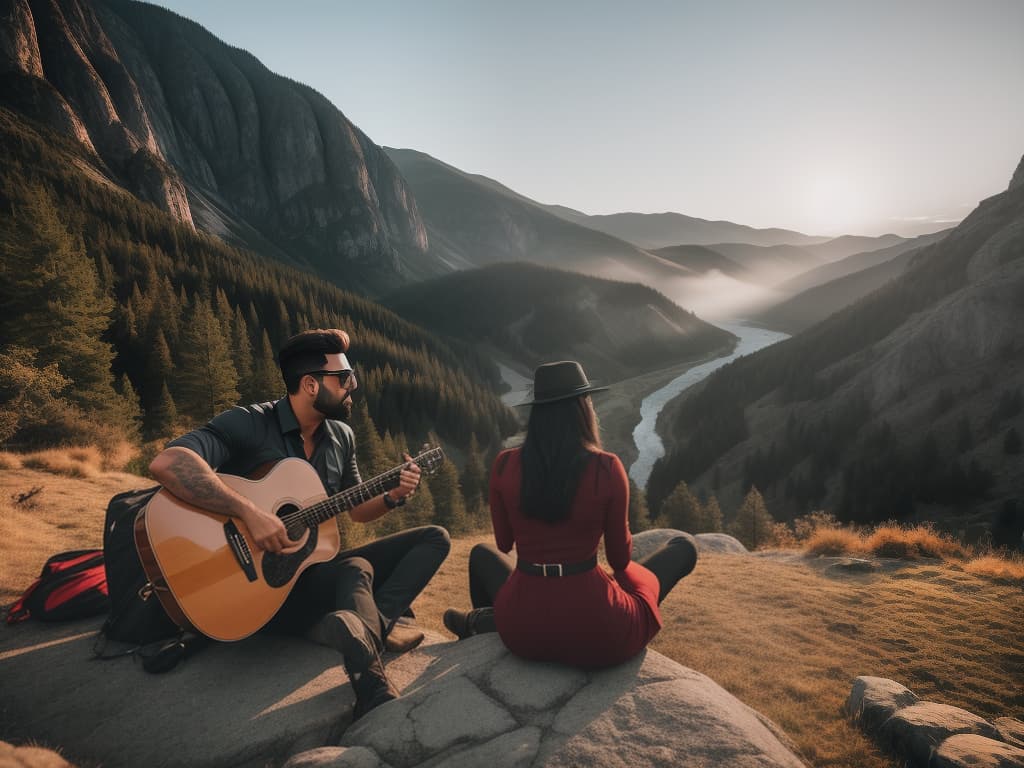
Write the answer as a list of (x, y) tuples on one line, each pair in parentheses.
[(358, 494)]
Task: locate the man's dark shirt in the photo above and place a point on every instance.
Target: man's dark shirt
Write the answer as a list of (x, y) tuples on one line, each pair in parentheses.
[(243, 438)]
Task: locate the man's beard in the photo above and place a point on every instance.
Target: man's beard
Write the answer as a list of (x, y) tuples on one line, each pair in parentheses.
[(340, 408)]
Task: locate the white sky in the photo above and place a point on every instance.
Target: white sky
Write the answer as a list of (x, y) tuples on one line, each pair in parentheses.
[(824, 116)]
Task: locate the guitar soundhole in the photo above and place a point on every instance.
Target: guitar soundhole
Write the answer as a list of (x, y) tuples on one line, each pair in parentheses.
[(278, 570)]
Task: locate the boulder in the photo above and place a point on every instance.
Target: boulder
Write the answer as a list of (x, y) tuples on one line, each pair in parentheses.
[(270, 700), (916, 731), (647, 541), (476, 704), (1010, 730), (251, 703), (30, 757), (721, 543), (873, 700), (968, 750)]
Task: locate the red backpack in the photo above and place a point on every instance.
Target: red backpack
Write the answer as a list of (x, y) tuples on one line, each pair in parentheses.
[(73, 585)]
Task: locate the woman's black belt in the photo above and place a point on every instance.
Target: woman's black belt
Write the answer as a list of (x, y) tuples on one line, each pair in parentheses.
[(557, 569)]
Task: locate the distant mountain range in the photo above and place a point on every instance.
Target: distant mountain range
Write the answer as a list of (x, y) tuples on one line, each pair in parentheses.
[(660, 230), (818, 293), (903, 404)]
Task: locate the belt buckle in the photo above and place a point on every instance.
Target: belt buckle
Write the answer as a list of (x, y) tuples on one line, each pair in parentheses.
[(545, 566)]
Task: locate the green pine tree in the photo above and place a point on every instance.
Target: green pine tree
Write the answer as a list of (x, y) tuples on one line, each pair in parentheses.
[(29, 394), (752, 524), (639, 516), (712, 517), (206, 377), (682, 510), (449, 508), (369, 447), (266, 376), (241, 346), (129, 412), (474, 484), (162, 418), (53, 302)]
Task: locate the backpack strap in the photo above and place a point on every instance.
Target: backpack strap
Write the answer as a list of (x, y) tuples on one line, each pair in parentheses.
[(17, 611)]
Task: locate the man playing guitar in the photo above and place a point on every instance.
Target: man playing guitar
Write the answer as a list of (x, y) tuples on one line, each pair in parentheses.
[(352, 601)]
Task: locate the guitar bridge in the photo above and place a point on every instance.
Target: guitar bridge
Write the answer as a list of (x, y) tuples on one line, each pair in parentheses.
[(240, 548)]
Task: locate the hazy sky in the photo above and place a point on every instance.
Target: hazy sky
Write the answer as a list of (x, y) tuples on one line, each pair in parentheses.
[(822, 116)]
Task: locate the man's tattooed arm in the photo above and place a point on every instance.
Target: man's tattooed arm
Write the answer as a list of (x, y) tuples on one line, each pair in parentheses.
[(184, 473)]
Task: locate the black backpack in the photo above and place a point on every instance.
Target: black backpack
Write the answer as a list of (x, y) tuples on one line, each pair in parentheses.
[(72, 585), (136, 615)]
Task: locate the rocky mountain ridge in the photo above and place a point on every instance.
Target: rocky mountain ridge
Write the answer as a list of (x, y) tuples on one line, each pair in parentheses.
[(205, 132)]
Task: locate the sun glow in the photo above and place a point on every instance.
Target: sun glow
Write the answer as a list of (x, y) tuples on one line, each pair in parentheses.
[(832, 201)]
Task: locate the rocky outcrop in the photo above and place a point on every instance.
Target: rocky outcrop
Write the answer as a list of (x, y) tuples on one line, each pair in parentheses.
[(719, 543), (30, 757), (204, 131), (477, 705), (1018, 176), (926, 734), (270, 700)]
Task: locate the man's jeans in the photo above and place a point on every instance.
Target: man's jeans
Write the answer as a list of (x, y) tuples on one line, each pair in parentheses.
[(378, 580)]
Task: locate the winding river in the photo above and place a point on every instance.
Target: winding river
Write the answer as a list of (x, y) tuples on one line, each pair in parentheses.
[(645, 436)]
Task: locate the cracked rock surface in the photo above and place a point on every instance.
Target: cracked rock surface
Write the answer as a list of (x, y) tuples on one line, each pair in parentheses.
[(476, 704)]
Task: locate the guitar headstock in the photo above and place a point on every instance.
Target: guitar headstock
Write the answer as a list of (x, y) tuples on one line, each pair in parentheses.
[(429, 458)]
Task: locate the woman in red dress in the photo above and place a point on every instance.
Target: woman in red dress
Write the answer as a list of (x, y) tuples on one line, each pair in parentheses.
[(554, 498)]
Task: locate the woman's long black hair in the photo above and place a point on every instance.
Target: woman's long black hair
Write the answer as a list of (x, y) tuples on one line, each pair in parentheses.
[(561, 437)]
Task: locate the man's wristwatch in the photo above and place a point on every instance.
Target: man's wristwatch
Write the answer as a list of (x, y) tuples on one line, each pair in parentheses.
[(391, 503)]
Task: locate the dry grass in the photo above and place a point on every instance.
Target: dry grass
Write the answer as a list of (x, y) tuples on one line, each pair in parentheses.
[(66, 513), (834, 541), (85, 461), (779, 635), (9, 460), (911, 543), (998, 567)]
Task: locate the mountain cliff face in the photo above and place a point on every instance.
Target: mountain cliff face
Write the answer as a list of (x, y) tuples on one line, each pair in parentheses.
[(208, 134), (902, 402)]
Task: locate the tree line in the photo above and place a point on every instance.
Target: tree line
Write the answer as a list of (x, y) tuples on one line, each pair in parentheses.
[(121, 323)]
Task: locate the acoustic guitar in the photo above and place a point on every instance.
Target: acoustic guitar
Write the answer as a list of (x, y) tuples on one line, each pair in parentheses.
[(205, 568)]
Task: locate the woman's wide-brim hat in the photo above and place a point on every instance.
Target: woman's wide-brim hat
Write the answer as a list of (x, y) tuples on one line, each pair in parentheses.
[(560, 381)]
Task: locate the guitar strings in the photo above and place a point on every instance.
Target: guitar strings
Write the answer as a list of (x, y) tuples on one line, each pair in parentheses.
[(334, 505)]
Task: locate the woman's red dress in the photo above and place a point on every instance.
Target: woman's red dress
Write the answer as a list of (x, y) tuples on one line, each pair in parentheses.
[(591, 619)]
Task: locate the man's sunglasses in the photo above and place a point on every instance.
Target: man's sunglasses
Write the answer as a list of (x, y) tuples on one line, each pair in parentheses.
[(346, 379)]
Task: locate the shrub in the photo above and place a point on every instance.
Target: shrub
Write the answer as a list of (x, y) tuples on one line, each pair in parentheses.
[(59, 462), (1006, 568), (833, 541), (931, 543), (891, 540), (807, 525), (143, 457), (782, 536)]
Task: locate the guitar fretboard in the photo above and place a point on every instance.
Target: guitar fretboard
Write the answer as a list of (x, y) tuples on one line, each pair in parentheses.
[(334, 505)]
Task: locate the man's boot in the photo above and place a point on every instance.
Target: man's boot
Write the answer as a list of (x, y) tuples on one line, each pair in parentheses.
[(402, 638), (465, 624), (360, 649)]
